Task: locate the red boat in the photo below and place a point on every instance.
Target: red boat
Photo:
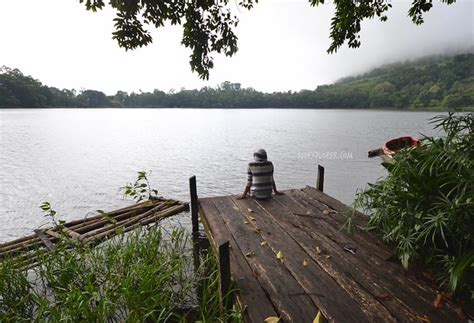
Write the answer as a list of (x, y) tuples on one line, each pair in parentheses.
[(391, 147)]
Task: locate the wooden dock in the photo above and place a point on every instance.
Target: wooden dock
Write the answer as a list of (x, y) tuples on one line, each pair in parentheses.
[(289, 259)]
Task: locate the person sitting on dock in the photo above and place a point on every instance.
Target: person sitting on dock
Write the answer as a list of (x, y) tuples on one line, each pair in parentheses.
[(260, 180)]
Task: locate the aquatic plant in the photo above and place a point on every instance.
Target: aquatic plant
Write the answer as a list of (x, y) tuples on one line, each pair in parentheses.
[(146, 275), (140, 189), (425, 205)]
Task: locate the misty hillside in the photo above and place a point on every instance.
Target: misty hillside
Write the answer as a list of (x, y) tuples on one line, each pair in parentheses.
[(431, 82)]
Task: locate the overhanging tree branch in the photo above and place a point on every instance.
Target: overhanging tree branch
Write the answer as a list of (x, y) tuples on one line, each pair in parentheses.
[(208, 25)]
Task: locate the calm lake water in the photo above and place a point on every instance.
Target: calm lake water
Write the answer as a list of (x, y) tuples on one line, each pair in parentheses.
[(78, 159)]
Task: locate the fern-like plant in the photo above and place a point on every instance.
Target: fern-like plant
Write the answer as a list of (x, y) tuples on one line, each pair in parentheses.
[(425, 205)]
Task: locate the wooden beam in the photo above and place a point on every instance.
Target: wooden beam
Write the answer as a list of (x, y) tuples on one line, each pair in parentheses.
[(224, 274), (44, 238), (194, 203), (320, 178)]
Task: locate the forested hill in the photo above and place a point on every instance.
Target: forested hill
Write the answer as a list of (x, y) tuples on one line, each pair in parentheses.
[(431, 82)]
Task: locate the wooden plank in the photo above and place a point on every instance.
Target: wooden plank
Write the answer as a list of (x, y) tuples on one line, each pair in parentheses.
[(334, 222), (334, 204), (253, 299), (336, 303), (400, 294), (287, 295), (44, 238)]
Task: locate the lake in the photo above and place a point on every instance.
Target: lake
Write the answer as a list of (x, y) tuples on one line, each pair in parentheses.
[(78, 159)]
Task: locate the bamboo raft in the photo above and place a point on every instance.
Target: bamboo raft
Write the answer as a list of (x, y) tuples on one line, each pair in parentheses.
[(92, 230)]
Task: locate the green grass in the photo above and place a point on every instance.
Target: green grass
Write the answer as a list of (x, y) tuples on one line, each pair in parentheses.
[(146, 275)]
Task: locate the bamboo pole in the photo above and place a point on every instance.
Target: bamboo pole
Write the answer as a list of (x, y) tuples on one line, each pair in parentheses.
[(147, 218), (33, 241), (16, 241), (85, 229), (87, 221), (121, 222)]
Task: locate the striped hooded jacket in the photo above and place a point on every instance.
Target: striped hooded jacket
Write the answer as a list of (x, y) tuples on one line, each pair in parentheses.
[(260, 179)]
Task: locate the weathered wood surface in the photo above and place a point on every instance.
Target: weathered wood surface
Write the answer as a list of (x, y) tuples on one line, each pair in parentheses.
[(290, 259)]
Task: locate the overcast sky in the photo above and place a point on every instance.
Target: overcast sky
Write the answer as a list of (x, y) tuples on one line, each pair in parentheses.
[(282, 46)]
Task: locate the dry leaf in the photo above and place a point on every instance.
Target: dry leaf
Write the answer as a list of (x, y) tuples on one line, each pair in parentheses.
[(305, 263), (263, 243), (246, 222), (280, 256), (438, 302), (256, 230), (318, 250), (250, 210), (423, 318), (328, 256), (319, 318), (236, 208), (272, 319), (250, 254)]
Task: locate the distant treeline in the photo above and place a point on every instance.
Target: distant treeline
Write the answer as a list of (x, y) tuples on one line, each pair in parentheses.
[(430, 82)]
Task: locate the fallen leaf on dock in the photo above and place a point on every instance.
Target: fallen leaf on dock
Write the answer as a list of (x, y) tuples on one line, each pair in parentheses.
[(438, 302), (305, 263), (423, 318), (280, 256), (250, 254), (250, 210), (263, 243), (272, 319), (318, 250), (329, 211), (350, 249), (319, 318)]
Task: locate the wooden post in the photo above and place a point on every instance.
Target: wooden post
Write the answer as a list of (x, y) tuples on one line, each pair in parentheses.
[(320, 178), (224, 274), (194, 203)]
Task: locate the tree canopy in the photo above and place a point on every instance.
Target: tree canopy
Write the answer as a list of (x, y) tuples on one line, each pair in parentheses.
[(208, 25)]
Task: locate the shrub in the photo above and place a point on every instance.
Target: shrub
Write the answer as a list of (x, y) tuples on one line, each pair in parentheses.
[(144, 276), (425, 205)]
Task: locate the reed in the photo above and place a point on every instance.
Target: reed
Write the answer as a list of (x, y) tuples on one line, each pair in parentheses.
[(147, 274)]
